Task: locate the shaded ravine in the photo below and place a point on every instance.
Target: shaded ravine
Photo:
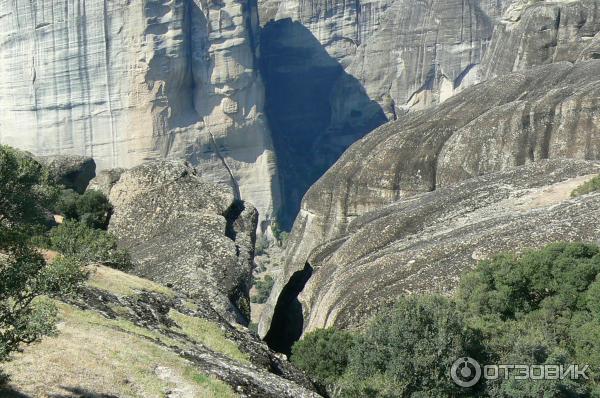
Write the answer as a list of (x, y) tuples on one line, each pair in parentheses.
[(311, 126)]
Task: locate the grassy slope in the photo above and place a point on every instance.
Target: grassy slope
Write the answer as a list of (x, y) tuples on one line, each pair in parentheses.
[(103, 356)]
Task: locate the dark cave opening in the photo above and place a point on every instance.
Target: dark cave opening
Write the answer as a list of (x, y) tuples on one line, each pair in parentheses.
[(288, 319)]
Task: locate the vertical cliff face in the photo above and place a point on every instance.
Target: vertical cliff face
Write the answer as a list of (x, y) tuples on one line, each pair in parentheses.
[(335, 70), (407, 54), (542, 32), (129, 81)]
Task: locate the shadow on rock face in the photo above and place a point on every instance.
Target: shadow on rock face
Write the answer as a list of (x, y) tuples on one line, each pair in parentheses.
[(315, 109), (288, 320), (10, 393)]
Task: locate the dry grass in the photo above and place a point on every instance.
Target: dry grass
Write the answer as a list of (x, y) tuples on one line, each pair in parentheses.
[(106, 357), (123, 284), (208, 334)]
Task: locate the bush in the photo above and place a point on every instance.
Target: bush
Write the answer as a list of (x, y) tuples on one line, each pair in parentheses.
[(323, 354), (25, 277), (539, 307), (25, 190), (261, 246), (76, 239), (413, 347), (92, 208), (592, 185), (264, 288)]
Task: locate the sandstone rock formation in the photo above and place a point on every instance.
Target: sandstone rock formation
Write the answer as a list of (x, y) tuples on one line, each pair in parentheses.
[(516, 119), (129, 81), (74, 172), (427, 242), (542, 32), (188, 233), (336, 70)]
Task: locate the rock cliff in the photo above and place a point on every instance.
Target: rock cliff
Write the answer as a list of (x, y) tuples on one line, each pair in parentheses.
[(129, 81), (425, 243), (334, 71), (542, 32), (516, 119)]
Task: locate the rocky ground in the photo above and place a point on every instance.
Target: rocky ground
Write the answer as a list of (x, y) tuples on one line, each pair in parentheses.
[(129, 337), (175, 325)]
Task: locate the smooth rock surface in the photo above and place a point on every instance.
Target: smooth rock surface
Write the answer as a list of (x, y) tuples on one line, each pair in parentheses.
[(125, 82), (334, 71), (428, 242), (186, 232), (407, 54), (547, 112), (542, 32)]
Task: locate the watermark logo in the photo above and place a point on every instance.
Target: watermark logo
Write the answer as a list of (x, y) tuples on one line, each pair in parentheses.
[(466, 372)]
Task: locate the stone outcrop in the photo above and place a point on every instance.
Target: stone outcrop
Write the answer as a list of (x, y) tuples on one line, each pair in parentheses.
[(516, 119), (334, 71), (125, 82), (427, 242), (73, 172), (105, 180), (186, 232), (542, 32)]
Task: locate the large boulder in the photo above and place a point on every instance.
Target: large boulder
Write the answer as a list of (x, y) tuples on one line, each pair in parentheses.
[(187, 233), (105, 180)]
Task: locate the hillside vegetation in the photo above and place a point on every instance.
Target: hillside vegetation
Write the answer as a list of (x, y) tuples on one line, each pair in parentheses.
[(539, 307)]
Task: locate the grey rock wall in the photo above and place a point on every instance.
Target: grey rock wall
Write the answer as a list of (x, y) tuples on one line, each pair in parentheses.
[(129, 81), (334, 71), (542, 32), (428, 242), (407, 54), (187, 233), (551, 112)]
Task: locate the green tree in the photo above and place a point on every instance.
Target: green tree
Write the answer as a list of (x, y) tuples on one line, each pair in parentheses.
[(539, 307), (25, 191), (323, 354), (410, 350), (25, 277), (263, 287), (76, 239), (92, 208)]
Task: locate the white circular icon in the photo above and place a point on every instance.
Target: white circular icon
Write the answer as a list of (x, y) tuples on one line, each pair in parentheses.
[(465, 372)]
